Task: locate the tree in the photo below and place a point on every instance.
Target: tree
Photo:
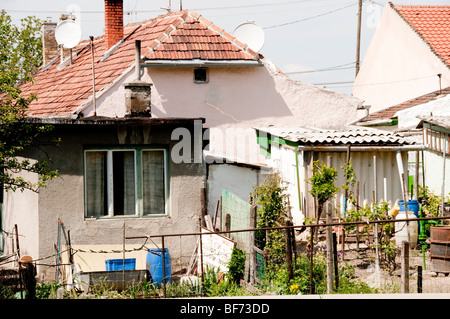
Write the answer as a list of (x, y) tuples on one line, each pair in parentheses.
[(322, 185), (20, 55)]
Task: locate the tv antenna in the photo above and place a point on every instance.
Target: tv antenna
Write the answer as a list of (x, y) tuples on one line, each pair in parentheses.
[(251, 34)]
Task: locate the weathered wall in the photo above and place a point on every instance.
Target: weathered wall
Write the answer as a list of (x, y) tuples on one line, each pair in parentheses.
[(64, 196)]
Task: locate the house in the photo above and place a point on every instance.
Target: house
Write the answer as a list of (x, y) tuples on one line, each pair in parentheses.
[(375, 156), (151, 87), (436, 132), (408, 56)]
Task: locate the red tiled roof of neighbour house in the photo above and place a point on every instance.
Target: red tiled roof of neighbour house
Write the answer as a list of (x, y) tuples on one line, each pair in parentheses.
[(183, 35), (390, 112), (432, 24)]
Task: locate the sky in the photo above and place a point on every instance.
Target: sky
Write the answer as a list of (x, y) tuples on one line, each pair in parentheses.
[(313, 41)]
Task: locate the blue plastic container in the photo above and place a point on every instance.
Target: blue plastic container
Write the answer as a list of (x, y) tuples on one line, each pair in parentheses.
[(118, 264), (413, 206), (154, 264)]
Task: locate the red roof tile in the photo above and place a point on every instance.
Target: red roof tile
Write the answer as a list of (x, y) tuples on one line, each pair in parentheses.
[(183, 35), (432, 24), (391, 111)]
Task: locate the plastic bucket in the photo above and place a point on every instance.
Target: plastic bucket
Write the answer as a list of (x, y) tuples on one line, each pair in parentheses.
[(154, 264), (401, 230), (118, 264), (413, 206)]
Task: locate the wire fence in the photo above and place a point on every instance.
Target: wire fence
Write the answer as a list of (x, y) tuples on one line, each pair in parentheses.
[(339, 257)]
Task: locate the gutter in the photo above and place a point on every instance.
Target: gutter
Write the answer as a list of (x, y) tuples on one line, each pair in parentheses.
[(344, 148)]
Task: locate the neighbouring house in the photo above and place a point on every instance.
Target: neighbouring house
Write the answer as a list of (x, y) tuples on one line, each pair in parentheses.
[(163, 72), (408, 56), (404, 118), (436, 139), (374, 154), (113, 171)]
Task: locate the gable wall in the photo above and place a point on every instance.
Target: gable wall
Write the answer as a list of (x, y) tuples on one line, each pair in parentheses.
[(401, 60)]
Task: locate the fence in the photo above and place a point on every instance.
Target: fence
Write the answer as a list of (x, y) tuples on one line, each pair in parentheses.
[(305, 262)]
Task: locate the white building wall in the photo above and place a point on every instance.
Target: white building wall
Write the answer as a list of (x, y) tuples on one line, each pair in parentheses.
[(233, 101), (398, 65)]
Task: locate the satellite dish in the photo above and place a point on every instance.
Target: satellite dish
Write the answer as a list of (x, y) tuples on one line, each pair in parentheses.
[(68, 34), (251, 34)]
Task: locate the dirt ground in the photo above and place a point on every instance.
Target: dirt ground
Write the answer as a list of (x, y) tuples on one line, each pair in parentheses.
[(363, 261)]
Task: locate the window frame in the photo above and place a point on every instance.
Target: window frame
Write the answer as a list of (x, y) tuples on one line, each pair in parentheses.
[(138, 171)]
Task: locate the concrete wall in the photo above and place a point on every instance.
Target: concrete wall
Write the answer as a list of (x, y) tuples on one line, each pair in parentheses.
[(434, 172), (64, 198), (234, 100), (398, 65)]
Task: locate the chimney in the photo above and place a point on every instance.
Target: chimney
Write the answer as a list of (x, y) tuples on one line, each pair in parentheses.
[(49, 44), (113, 22)]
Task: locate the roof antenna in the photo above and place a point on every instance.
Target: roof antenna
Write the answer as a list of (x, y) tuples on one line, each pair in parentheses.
[(181, 5), (169, 9)]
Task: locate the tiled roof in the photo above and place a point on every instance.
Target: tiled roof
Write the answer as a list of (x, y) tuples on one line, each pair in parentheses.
[(183, 35), (340, 136), (432, 24), (391, 111)]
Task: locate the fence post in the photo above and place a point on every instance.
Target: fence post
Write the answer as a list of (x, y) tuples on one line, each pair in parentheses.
[(287, 236), (405, 267), (336, 271), (311, 252), (419, 279), (164, 266)]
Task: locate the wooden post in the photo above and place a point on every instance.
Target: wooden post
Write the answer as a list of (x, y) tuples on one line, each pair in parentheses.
[(287, 236), (336, 270), (251, 245), (329, 242), (419, 279), (311, 253), (357, 207), (405, 267)]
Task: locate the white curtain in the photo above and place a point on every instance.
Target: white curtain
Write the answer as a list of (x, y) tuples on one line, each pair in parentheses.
[(153, 180), (96, 184)]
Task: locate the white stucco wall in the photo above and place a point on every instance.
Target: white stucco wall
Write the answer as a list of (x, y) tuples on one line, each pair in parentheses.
[(398, 65), (234, 100), (25, 204), (434, 172)]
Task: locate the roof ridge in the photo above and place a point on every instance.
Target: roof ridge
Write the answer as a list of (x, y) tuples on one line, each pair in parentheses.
[(225, 35), (394, 7)]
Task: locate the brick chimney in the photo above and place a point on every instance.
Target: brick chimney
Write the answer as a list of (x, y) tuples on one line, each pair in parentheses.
[(113, 22), (49, 45)]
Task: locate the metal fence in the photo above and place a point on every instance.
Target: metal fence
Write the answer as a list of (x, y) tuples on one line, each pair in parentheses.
[(311, 259)]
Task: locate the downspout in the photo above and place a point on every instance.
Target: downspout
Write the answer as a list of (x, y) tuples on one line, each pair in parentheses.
[(298, 179)]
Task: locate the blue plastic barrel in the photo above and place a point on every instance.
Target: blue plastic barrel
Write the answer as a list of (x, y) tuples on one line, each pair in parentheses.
[(154, 264), (413, 206)]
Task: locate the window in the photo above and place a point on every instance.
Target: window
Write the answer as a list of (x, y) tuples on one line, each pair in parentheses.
[(125, 182), (200, 75)]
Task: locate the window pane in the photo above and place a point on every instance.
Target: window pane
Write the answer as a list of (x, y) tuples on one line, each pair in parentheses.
[(153, 179), (96, 184), (124, 189)]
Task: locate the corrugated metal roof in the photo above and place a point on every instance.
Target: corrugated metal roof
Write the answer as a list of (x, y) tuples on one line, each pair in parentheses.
[(349, 135), (442, 121)]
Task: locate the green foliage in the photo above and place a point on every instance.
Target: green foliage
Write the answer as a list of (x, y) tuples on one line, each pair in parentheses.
[(20, 55), (386, 242), (20, 49), (236, 265), (322, 182), (47, 291), (272, 209), (216, 284)]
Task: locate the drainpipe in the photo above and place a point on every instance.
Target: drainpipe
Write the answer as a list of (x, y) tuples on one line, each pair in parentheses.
[(443, 174), (298, 178), (402, 183)]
